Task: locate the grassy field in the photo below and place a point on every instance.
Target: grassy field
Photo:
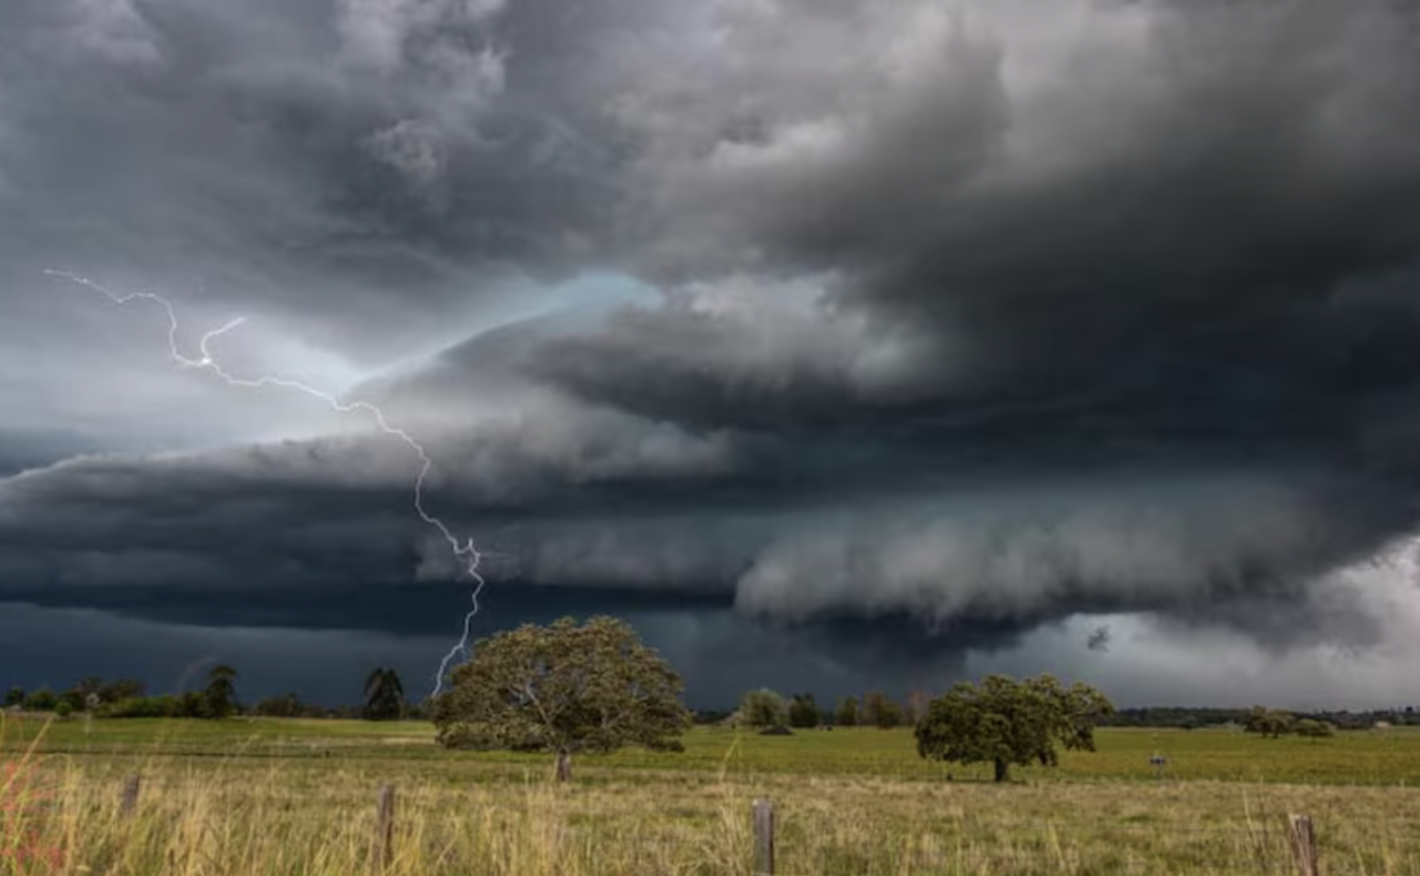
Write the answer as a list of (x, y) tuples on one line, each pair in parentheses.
[(282, 796)]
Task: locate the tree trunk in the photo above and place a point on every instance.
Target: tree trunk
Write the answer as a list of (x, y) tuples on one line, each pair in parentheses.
[(1002, 770), (564, 766)]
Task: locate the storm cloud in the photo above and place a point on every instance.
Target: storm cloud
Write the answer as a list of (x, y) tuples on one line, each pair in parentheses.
[(928, 334)]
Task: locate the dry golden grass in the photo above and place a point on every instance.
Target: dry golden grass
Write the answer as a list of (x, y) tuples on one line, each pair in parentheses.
[(253, 816)]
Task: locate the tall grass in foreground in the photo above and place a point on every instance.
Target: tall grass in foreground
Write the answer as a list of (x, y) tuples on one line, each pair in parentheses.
[(254, 817)]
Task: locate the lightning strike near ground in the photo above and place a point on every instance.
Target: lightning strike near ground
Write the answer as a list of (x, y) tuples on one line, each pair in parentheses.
[(464, 552)]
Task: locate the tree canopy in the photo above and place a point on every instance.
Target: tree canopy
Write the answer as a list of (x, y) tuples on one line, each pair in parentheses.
[(1005, 721), (563, 688)]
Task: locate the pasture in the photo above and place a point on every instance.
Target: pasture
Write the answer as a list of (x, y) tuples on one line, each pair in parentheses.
[(271, 796)]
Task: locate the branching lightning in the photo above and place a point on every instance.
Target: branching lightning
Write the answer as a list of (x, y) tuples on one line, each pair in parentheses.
[(464, 552)]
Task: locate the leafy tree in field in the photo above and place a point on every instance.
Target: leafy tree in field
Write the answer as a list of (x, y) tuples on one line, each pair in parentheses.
[(763, 708), (15, 696), (847, 714), (219, 698), (384, 696), (803, 711), (1005, 721), (62, 709), (564, 689), (880, 711), (1313, 729), (1270, 723), (42, 700)]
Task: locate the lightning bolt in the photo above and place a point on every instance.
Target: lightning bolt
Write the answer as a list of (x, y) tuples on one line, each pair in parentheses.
[(464, 552)]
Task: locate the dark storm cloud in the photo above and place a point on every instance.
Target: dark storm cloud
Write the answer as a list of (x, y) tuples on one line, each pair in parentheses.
[(361, 165), (1189, 260), (713, 650), (972, 324), (283, 530), (1186, 262)]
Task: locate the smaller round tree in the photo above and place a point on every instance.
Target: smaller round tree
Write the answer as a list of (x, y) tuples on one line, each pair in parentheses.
[(1006, 722), (563, 689)]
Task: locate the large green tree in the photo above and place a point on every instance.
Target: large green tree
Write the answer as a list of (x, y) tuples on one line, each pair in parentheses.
[(384, 696), (564, 689), (1005, 721)]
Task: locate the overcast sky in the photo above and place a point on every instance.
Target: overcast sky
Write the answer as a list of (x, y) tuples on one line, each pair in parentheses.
[(836, 348)]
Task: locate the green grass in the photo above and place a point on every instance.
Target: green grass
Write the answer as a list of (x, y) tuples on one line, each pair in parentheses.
[(298, 797), (1390, 758)]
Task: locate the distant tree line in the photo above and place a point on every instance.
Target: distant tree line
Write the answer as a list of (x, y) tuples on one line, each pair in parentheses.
[(1185, 718), (127, 698), (383, 700)]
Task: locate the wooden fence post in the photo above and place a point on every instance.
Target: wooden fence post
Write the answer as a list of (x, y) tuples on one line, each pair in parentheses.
[(763, 838), (1304, 844), (384, 831), (128, 797)]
